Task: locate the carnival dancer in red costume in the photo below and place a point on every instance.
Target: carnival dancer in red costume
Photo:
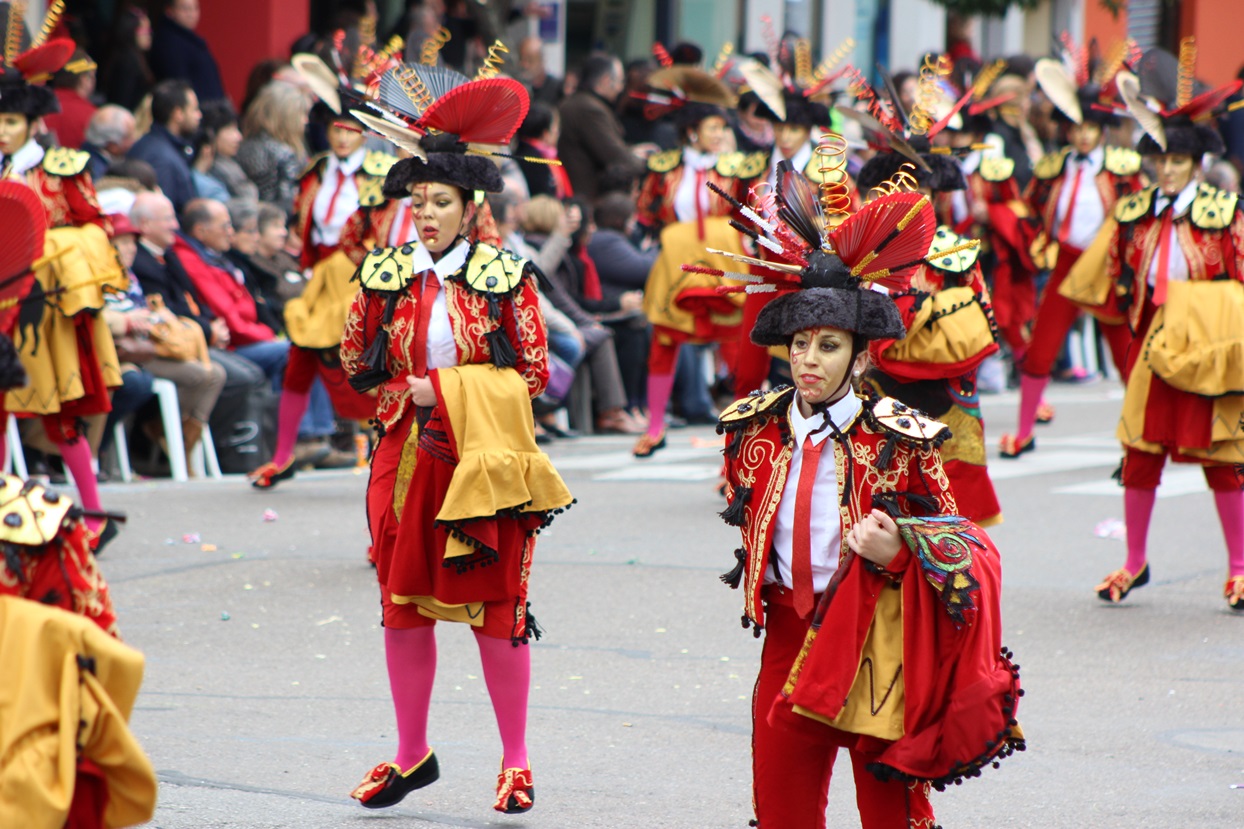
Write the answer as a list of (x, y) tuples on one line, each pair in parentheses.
[(879, 605), (676, 206), (339, 183), (451, 335), (1072, 191), (1175, 259), (68, 354), (950, 331)]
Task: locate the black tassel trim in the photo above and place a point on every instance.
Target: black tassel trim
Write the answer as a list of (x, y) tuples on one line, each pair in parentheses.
[(887, 454), (735, 514), (533, 631), (735, 576), (734, 443), (494, 306), (502, 350)]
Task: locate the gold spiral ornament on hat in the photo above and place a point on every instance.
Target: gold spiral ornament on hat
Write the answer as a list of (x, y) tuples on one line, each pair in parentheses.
[(903, 181), (933, 70), (432, 46), (13, 36), (1187, 70), (831, 162), (493, 62), (839, 55)]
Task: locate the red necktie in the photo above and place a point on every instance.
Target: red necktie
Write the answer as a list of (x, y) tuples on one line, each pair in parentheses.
[(1065, 228), (801, 540), (430, 286), (332, 202), (1164, 256), (700, 176)]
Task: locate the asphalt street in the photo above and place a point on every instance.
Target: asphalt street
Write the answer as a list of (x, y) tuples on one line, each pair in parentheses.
[(266, 700)]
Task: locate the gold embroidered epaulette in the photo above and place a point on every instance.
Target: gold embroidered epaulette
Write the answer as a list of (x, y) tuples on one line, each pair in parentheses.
[(957, 262), (371, 191), (313, 165), (378, 164), (388, 269), (753, 164), (1051, 165), (728, 164), (1122, 161), (666, 161), (1213, 209), (757, 403), (1135, 206), (31, 514), (902, 420), (64, 161), (997, 169), (493, 270)]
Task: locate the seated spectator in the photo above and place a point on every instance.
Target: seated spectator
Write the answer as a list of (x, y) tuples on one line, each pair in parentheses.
[(206, 236), (273, 150), (537, 138), (175, 118), (74, 85), (177, 51), (244, 214), (541, 217), (623, 269), (220, 118), (279, 274), (126, 77), (239, 412), (109, 135), (122, 183), (204, 155)]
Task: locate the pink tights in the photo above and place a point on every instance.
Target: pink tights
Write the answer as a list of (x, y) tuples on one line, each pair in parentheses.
[(289, 417)]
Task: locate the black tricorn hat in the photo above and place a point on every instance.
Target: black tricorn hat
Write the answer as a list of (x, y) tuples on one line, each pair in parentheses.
[(800, 112), (448, 163), (944, 173), (830, 297), (1184, 137), (1091, 112)]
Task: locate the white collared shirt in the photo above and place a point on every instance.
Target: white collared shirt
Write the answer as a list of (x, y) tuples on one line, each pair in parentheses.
[(1177, 262), (24, 160), (799, 162), (1090, 211), (825, 520), (687, 194), (326, 229), (442, 350)]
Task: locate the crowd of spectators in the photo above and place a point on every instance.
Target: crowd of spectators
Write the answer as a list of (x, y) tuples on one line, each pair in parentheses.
[(201, 195)]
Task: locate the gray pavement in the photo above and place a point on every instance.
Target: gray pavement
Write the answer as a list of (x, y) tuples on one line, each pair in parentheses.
[(265, 698)]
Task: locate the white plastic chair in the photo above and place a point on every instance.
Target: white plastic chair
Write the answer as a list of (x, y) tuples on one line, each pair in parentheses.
[(14, 458)]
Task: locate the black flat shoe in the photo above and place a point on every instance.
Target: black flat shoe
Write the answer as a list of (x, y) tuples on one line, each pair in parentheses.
[(1118, 584), (386, 784), (106, 533)]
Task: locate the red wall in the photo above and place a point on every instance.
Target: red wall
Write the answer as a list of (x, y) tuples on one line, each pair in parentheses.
[(243, 32), (1214, 25)]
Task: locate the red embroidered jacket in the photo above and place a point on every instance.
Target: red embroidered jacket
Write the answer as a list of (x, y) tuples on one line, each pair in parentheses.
[(65, 188), (491, 298), (1119, 176), (368, 179), (665, 174), (1210, 235), (367, 229)]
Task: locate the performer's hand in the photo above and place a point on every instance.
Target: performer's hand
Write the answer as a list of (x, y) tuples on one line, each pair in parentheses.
[(421, 390), (876, 538)]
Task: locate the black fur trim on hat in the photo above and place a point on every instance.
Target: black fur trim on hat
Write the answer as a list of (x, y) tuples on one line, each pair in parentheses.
[(800, 112), (944, 174), (867, 314), (31, 101), (1184, 138), (690, 114), (470, 172)]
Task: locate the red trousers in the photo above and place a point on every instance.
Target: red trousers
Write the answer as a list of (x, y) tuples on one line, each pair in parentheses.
[(1143, 470), (792, 765), (752, 364), (1055, 317), (305, 364)]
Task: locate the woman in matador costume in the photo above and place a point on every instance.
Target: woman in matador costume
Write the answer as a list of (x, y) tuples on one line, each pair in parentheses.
[(676, 205), (1072, 191), (450, 334), (1174, 261), (68, 354), (950, 330), (878, 603)]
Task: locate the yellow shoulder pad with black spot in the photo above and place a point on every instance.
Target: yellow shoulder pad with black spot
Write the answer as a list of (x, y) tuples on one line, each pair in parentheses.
[(378, 164), (30, 514), (959, 261), (1135, 206), (493, 270), (1051, 165), (1122, 161), (313, 165), (757, 403), (664, 162), (1213, 209), (371, 191), (388, 269), (64, 161), (753, 164), (812, 172), (901, 419), (997, 169), (728, 164)]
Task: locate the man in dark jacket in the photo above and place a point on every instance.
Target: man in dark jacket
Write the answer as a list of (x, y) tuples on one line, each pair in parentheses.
[(175, 117), (591, 134), (178, 52)]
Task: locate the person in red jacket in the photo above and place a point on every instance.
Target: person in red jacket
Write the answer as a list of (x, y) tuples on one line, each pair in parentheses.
[(206, 236)]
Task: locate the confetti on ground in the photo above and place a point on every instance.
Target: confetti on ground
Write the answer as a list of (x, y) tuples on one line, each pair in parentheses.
[(224, 616), (191, 538), (207, 548), (239, 555), (708, 443), (270, 515), (1111, 528), (329, 620)]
